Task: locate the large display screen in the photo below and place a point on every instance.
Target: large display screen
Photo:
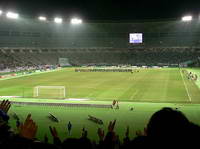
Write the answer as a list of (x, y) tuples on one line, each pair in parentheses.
[(135, 38)]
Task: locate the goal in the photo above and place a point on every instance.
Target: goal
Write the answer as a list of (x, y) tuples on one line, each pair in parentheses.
[(58, 92)]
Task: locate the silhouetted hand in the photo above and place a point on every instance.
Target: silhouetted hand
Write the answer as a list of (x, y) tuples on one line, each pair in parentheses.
[(84, 133), (127, 132), (101, 134), (141, 133), (127, 139), (28, 129), (111, 126), (46, 139), (5, 105), (54, 132)]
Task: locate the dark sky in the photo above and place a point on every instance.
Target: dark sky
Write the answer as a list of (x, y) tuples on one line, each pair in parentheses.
[(105, 9)]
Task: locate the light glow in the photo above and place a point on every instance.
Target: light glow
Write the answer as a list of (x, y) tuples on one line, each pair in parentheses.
[(58, 20), (186, 18), (76, 21), (12, 15), (1, 12), (41, 18)]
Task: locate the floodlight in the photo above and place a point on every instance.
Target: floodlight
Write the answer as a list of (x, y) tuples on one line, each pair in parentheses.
[(1, 12), (186, 18), (76, 21), (41, 18), (58, 20), (12, 15)]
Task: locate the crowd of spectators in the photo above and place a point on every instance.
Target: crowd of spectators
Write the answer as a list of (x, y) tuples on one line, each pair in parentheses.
[(145, 56), (28, 69), (167, 127)]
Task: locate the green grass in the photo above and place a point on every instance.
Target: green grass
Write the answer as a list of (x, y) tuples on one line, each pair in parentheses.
[(149, 85), (146, 91)]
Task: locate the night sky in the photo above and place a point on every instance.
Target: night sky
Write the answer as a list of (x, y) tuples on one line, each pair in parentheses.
[(104, 9)]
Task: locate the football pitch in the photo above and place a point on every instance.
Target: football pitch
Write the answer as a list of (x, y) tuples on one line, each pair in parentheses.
[(148, 85), (146, 91)]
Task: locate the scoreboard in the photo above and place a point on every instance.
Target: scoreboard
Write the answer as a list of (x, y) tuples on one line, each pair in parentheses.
[(135, 38)]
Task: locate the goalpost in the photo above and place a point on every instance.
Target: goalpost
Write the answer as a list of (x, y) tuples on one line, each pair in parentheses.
[(49, 92)]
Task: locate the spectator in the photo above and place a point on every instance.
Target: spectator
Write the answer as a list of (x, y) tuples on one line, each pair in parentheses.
[(168, 126)]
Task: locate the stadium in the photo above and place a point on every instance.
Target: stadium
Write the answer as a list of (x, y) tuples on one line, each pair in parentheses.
[(76, 71)]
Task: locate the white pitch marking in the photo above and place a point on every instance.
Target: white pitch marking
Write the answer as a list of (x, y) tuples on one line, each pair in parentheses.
[(185, 86)]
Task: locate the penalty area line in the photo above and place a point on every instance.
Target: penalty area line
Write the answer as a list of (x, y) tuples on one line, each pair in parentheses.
[(185, 86)]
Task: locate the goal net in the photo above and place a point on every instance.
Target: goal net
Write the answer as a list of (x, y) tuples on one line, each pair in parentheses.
[(49, 92)]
